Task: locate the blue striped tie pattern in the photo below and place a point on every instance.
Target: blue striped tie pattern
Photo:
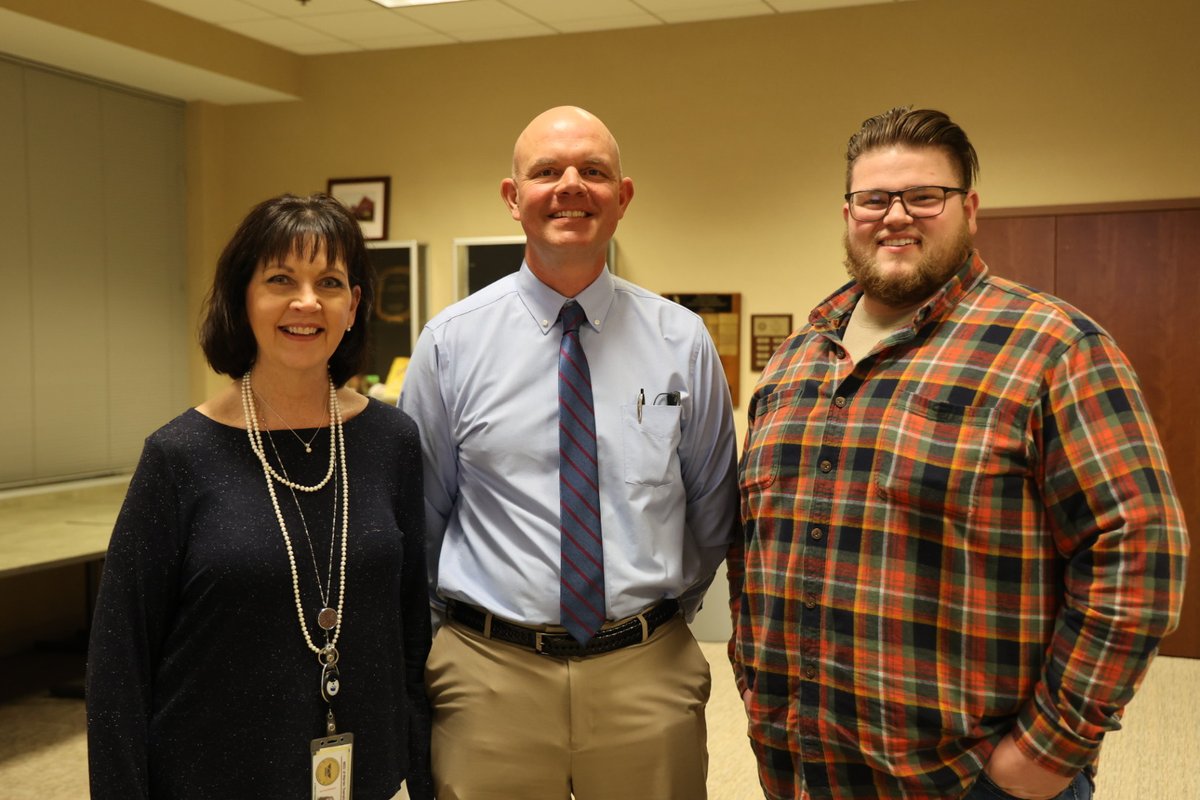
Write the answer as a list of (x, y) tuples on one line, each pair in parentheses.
[(581, 599)]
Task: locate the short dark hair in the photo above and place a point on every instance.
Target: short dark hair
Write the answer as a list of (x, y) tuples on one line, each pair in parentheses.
[(922, 127), (272, 231)]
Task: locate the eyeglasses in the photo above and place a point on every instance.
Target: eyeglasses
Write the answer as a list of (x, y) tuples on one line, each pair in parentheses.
[(919, 202)]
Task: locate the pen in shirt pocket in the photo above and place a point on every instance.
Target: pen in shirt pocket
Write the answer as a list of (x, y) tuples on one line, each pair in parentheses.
[(663, 398)]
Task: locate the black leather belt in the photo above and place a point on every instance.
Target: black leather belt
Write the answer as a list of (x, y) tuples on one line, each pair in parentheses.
[(637, 629)]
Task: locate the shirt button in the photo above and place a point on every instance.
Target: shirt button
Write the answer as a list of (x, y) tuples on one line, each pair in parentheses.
[(826, 466), (810, 671), (816, 533), (810, 600), (545, 323), (840, 402)]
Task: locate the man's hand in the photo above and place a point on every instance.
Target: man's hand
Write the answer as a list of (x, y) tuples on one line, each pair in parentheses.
[(1021, 776)]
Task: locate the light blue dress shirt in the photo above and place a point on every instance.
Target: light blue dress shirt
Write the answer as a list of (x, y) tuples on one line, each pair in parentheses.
[(483, 387)]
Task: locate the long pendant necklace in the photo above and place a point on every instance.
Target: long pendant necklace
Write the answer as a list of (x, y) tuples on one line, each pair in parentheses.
[(327, 617), (327, 656)]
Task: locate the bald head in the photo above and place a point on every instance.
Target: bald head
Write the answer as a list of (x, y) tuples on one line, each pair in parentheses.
[(563, 121), (568, 193)]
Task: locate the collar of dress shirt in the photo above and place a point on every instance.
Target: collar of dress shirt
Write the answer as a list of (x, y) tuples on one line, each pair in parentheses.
[(544, 303)]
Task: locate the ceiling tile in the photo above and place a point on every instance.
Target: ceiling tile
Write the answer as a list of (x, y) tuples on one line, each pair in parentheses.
[(556, 12), (476, 18), (279, 32), (295, 9), (330, 26), (690, 13), (606, 23), (495, 34), (364, 24), (715, 7), (218, 11), (321, 27)]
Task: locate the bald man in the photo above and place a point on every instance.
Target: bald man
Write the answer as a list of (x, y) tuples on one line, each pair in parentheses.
[(580, 493)]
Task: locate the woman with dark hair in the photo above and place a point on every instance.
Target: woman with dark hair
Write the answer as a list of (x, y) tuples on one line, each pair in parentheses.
[(263, 619)]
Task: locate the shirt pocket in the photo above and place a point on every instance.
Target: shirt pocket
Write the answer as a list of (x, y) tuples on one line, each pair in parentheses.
[(651, 444), (769, 432), (931, 453)]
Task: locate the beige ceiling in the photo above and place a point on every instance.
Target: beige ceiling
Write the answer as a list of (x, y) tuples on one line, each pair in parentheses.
[(336, 26), (250, 51)]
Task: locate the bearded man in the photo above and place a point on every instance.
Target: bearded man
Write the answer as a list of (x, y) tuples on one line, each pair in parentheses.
[(961, 541)]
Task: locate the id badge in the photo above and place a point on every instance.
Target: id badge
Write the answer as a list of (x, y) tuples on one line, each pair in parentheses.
[(331, 761)]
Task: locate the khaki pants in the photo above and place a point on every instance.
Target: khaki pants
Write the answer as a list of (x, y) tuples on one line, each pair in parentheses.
[(509, 724)]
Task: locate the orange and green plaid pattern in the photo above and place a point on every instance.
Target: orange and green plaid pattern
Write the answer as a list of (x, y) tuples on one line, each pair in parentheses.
[(970, 531)]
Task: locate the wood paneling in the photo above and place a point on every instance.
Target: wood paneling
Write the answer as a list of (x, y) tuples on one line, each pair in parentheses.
[(1137, 273), (1019, 248)]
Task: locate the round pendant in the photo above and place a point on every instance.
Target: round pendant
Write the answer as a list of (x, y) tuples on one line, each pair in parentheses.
[(307, 449), (327, 619)]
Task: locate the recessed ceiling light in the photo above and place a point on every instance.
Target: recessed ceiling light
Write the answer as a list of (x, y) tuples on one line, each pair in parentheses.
[(403, 3)]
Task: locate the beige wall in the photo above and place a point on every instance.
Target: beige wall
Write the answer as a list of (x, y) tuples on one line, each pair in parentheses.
[(733, 132)]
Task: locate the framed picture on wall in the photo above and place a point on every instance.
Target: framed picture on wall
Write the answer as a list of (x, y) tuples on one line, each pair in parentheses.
[(480, 260), (722, 315), (367, 199), (399, 312), (397, 317)]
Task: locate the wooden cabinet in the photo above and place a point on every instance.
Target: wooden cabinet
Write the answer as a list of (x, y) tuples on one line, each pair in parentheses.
[(1137, 273)]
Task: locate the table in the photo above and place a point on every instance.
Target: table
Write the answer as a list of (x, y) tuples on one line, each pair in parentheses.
[(57, 526), (54, 526)]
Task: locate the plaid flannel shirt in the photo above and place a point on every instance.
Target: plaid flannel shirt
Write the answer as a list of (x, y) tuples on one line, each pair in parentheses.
[(970, 531)]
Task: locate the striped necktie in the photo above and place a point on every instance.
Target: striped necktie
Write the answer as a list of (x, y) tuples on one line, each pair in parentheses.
[(581, 599)]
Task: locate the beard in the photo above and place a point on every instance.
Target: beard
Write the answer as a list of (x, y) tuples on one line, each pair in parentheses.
[(900, 289)]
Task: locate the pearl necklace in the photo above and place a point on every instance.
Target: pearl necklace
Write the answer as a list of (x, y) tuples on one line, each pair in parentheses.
[(326, 655), (256, 443)]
